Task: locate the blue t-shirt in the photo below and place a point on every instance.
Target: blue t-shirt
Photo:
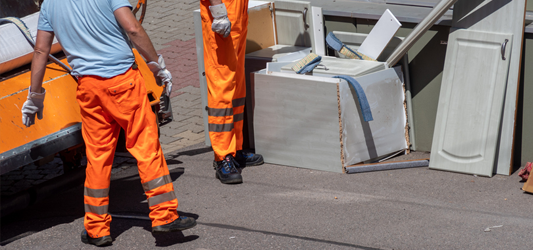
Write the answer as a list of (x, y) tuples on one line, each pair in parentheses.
[(91, 37)]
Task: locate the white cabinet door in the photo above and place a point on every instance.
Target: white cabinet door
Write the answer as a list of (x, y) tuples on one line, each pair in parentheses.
[(294, 23), (471, 100)]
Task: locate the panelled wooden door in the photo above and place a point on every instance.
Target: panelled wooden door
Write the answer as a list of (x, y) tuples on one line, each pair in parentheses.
[(471, 102), (294, 25)]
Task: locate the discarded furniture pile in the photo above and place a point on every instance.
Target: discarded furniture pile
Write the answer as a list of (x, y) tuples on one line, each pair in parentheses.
[(341, 101)]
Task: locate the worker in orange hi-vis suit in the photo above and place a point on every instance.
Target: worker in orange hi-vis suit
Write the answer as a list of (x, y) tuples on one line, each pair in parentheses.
[(224, 28), (112, 95)]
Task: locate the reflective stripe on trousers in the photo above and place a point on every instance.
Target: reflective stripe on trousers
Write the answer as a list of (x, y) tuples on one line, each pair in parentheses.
[(106, 105), (224, 70)]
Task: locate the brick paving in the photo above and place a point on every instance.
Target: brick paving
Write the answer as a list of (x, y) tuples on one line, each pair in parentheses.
[(169, 23)]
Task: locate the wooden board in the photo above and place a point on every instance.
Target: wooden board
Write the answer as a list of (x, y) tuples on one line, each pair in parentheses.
[(528, 186), (504, 16), (470, 103), (260, 26), (319, 39), (361, 168), (296, 121), (380, 36)]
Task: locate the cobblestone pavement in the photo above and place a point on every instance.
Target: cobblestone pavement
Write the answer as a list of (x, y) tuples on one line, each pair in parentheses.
[(169, 23)]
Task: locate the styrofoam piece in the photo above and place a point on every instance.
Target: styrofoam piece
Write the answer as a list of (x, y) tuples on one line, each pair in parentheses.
[(15, 50), (380, 36), (330, 66), (386, 166), (386, 133)]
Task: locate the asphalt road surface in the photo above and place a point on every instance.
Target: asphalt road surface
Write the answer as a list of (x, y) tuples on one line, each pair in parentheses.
[(279, 207)]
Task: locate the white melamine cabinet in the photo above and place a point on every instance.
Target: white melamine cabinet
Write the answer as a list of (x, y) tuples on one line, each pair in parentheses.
[(471, 102), (315, 122)]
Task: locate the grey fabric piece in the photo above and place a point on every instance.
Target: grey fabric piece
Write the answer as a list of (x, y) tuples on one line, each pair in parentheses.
[(239, 102), (226, 127), (157, 182), (96, 209), (219, 112), (161, 198), (238, 117), (96, 193)]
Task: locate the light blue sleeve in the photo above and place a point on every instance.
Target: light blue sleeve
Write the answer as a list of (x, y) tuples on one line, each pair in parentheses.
[(43, 23), (115, 4)]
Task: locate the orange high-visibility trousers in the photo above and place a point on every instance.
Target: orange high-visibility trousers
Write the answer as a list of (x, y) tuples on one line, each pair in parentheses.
[(224, 71), (108, 104)]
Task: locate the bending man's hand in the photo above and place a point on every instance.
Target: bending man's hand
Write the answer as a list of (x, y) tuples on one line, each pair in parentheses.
[(32, 106), (161, 72), (221, 23)]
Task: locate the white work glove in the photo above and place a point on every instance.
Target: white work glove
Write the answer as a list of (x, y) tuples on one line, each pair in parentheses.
[(161, 73), (34, 105), (221, 23)]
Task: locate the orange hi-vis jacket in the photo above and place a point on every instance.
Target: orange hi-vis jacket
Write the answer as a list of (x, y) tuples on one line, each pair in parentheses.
[(224, 71)]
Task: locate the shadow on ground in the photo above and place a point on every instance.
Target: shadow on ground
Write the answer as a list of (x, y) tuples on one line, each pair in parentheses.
[(66, 206)]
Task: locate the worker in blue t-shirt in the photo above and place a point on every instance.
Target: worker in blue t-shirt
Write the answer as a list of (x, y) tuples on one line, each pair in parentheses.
[(112, 95)]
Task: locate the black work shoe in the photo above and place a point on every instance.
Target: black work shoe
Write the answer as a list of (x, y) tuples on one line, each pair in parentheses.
[(102, 241), (179, 224), (248, 159), (226, 171)]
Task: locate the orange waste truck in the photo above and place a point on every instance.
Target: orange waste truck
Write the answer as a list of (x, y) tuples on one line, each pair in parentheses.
[(60, 129)]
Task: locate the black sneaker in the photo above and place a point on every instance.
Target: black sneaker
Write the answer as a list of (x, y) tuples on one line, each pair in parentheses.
[(102, 241), (179, 224), (248, 158), (226, 171)]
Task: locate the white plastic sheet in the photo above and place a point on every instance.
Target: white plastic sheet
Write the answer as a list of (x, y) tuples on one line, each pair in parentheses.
[(15, 50)]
